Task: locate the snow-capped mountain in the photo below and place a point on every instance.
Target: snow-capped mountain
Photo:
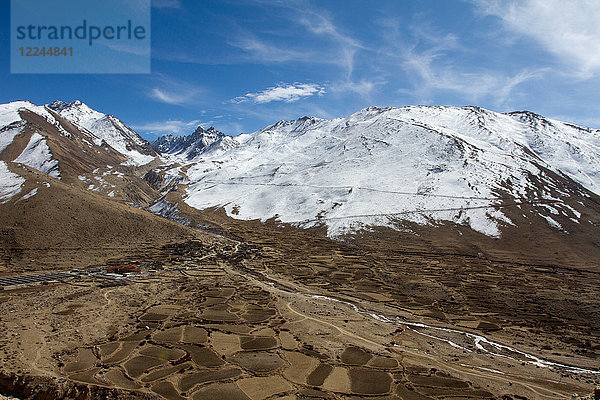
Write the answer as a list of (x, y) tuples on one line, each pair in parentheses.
[(201, 141), (383, 166), (106, 129), (387, 167), (75, 144), (36, 153), (62, 187)]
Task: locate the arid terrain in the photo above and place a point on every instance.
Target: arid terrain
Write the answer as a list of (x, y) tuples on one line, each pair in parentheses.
[(280, 313)]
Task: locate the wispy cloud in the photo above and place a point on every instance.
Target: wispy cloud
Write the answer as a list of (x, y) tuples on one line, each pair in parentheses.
[(568, 29), (320, 25), (429, 73), (136, 49), (168, 90), (282, 92), (263, 52), (335, 47), (428, 60), (176, 127), (363, 87), (167, 97)]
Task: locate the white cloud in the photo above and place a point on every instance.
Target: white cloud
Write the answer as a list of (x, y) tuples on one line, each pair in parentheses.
[(167, 97), (282, 92), (264, 52), (569, 29), (176, 127), (172, 91)]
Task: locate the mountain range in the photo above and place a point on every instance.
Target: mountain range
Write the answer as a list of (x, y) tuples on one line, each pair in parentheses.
[(464, 169), (383, 166)]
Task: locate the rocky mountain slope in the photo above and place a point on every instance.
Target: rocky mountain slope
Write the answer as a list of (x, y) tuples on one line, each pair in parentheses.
[(393, 167), (190, 147), (453, 175), (64, 191), (106, 129), (53, 140)]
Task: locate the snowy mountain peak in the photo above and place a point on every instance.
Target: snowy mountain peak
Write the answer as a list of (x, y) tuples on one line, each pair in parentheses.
[(380, 166), (59, 105), (76, 111), (210, 132), (104, 128), (189, 147)]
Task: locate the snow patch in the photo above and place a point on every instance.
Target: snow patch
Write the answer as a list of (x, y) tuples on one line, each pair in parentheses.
[(28, 195), (10, 183), (551, 209), (7, 135), (37, 155), (576, 213), (552, 222)]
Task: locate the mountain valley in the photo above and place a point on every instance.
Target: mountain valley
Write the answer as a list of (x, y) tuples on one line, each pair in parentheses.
[(398, 253)]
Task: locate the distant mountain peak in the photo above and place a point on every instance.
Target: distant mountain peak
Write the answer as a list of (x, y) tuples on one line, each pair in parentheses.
[(212, 131), (58, 105), (191, 146)]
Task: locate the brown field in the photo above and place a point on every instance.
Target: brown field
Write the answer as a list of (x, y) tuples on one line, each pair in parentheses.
[(284, 313)]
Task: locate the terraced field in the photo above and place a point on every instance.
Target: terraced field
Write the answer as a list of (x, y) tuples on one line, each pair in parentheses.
[(233, 342), (299, 319)]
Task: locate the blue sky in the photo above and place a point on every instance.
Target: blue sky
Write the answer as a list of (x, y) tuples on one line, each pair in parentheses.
[(241, 65)]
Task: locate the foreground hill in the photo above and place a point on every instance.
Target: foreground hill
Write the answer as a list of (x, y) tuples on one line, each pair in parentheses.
[(66, 195), (49, 224)]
